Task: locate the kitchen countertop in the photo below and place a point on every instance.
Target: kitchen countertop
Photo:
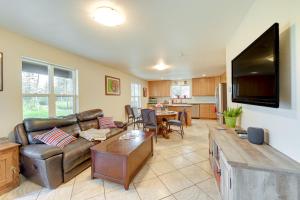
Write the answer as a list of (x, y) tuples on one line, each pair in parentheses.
[(180, 105), (203, 103)]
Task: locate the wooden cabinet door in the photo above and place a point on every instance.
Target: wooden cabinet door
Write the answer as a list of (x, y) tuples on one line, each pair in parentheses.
[(212, 111), (217, 80), (159, 88), (195, 87), (151, 88), (223, 78), (204, 111), (6, 173), (164, 88), (211, 86), (9, 169)]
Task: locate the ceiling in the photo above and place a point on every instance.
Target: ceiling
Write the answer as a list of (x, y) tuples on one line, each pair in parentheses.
[(188, 35)]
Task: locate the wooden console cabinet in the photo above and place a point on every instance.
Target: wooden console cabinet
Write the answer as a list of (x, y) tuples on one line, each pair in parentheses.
[(9, 167), (245, 171)]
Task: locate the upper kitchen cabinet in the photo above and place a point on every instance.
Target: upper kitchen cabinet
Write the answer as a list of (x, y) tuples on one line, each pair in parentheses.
[(159, 88), (205, 86), (223, 78)]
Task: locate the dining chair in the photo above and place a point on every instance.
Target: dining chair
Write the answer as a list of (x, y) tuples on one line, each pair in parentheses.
[(129, 113), (137, 118), (182, 118), (149, 120)]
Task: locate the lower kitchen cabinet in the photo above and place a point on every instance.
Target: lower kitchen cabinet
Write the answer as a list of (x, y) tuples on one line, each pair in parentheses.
[(207, 111)]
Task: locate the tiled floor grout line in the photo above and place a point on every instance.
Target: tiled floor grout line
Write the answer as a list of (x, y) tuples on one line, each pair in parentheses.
[(104, 191), (73, 187), (164, 185), (137, 192), (38, 194)]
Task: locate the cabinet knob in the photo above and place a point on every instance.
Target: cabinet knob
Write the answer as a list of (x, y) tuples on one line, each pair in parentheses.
[(14, 170)]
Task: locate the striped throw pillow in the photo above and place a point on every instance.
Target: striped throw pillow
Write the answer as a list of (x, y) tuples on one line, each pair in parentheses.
[(106, 122), (56, 137)]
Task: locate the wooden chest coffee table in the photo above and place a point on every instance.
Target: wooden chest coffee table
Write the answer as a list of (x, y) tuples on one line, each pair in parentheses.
[(120, 160)]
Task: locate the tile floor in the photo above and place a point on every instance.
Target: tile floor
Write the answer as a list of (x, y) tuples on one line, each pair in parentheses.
[(178, 170)]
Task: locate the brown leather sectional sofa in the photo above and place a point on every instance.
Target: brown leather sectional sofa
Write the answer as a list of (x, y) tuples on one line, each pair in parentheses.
[(50, 166)]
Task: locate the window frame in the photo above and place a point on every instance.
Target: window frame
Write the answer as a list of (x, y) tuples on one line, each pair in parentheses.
[(51, 90), (181, 95), (136, 96)]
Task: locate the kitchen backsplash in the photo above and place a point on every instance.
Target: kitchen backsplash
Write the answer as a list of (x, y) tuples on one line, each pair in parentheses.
[(200, 99)]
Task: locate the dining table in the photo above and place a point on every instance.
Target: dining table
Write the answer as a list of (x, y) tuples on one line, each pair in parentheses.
[(161, 118)]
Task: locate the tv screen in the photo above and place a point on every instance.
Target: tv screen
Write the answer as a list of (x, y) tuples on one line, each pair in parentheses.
[(255, 71)]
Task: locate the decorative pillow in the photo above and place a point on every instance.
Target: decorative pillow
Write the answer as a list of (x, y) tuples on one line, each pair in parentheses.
[(56, 137), (106, 122)]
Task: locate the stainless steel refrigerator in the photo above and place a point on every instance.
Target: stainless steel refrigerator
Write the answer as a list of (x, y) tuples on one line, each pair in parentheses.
[(221, 101)]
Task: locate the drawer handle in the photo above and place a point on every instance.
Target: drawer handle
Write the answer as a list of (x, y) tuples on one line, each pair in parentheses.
[(14, 170)]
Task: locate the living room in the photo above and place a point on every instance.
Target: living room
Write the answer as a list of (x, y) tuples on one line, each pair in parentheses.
[(74, 65)]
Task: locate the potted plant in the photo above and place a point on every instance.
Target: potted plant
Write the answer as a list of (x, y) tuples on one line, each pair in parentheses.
[(230, 115)]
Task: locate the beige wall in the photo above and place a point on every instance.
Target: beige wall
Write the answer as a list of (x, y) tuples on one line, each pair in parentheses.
[(283, 123), (91, 79)]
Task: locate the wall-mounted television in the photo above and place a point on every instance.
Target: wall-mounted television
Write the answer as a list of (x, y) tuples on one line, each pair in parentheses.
[(255, 71)]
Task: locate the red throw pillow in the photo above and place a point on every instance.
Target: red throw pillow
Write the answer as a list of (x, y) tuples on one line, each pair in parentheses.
[(106, 122), (56, 137)]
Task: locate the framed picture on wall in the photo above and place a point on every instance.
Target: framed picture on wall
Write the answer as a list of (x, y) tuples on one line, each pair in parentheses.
[(144, 92), (112, 86), (1, 71)]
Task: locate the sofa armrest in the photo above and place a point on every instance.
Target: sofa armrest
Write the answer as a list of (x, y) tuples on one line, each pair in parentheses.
[(40, 151), (120, 124)]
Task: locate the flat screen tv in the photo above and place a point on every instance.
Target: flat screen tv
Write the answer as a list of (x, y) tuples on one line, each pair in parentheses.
[(255, 71)]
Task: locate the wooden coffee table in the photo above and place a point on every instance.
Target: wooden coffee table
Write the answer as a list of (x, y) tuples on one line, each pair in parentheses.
[(120, 160)]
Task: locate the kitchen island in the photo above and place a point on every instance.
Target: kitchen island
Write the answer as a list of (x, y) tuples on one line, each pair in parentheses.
[(180, 108)]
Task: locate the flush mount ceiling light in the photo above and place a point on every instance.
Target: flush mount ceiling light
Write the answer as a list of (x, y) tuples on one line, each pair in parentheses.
[(161, 66), (108, 16)]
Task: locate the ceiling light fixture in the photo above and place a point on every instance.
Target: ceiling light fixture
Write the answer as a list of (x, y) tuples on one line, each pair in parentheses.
[(108, 16), (161, 66), (204, 75)]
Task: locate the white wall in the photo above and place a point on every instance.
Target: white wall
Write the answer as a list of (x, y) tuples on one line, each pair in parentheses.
[(283, 123), (91, 80)]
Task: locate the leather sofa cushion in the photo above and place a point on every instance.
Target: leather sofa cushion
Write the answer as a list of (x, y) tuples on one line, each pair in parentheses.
[(40, 151), (76, 153), (89, 124), (89, 115), (73, 130), (39, 124)]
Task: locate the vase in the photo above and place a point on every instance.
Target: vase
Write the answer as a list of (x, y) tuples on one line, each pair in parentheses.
[(230, 122)]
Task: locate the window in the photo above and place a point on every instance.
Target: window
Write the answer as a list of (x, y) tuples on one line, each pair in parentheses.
[(48, 90), (183, 91), (136, 95)]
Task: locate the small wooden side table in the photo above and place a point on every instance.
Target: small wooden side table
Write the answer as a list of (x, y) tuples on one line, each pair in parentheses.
[(9, 166)]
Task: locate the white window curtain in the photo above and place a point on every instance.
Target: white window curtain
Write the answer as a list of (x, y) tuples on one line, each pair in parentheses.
[(136, 90)]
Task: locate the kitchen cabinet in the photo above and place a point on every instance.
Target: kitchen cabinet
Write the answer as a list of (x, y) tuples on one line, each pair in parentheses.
[(223, 78), (205, 86), (204, 111), (159, 88), (207, 111)]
